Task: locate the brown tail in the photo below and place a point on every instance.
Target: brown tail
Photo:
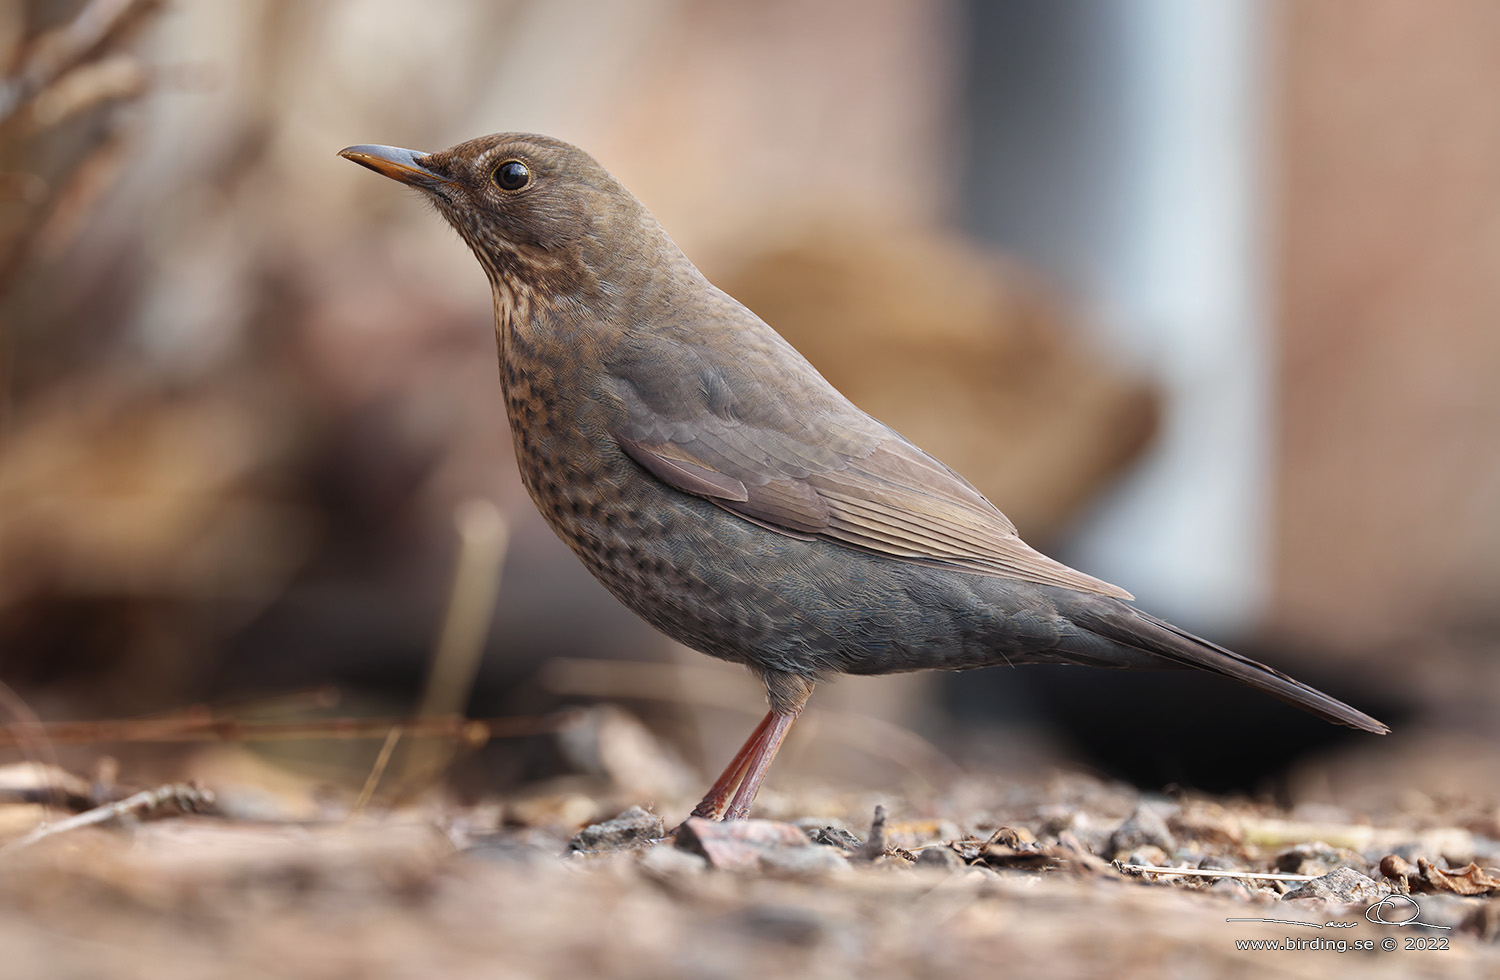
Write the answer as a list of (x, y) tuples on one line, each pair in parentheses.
[(1127, 626)]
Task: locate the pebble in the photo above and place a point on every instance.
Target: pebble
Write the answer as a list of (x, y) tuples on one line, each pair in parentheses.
[(1230, 888), (833, 837), (1150, 856), (633, 828), (739, 845), (1343, 885), (1145, 827), (939, 857), (1317, 858)]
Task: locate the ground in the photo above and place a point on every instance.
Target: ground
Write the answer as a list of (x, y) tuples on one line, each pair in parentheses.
[(982, 877)]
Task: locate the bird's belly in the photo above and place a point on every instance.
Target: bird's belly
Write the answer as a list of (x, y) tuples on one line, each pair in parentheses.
[(741, 592)]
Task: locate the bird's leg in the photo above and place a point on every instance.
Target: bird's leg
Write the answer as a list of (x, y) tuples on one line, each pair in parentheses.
[(765, 751), (787, 694), (713, 804)]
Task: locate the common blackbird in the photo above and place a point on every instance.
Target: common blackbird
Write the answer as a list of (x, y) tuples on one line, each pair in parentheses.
[(713, 481)]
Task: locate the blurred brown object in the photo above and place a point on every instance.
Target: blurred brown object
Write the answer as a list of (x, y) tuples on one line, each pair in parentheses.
[(69, 74), (1388, 250), (959, 350), (108, 493)]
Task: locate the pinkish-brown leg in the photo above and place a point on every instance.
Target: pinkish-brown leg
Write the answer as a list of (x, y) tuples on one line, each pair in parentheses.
[(742, 778), (712, 806), (765, 751)]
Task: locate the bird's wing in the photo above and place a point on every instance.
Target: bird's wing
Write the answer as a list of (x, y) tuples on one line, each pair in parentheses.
[(768, 439)]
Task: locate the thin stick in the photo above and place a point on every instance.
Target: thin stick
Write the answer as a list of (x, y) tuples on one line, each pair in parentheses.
[(483, 540), (186, 797), (381, 761), (470, 731), (323, 697), (1207, 873)]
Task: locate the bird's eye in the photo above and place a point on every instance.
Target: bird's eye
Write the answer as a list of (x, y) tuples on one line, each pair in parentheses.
[(512, 175)]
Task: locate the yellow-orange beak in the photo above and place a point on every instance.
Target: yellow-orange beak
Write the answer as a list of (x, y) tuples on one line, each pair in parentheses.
[(395, 163)]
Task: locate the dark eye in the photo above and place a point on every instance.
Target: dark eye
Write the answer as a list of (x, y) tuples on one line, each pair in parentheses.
[(512, 175)]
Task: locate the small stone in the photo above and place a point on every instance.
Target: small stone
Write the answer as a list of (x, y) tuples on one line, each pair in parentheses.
[(740, 844), (1149, 856), (836, 837), (1078, 855), (1342, 885), (1143, 827), (1317, 858), (1230, 888), (1092, 838), (633, 828), (942, 856)]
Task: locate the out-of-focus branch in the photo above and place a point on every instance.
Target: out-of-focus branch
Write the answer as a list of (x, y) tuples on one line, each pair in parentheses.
[(114, 78), (470, 731), (172, 798), (67, 71), (64, 72), (55, 54)]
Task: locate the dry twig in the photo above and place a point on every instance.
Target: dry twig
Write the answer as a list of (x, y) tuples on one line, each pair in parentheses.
[(173, 798), (60, 51), (1139, 869), (195, 729)]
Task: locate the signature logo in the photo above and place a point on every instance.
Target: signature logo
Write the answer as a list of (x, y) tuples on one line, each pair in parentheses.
[(1394, 905), (1399, 905)]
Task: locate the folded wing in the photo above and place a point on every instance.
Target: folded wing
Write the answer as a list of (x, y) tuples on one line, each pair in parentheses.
[(724, 433)]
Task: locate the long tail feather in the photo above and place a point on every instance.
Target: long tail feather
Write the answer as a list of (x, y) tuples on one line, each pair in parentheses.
[(1129, 627)]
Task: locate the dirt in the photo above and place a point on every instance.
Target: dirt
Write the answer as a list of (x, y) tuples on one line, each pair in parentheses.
[(1068, 877)]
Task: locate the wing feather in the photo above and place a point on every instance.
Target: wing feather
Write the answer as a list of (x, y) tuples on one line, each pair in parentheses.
[(768, 439)]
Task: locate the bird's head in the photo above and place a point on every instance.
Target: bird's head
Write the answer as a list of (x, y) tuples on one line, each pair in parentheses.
[(541, 215)]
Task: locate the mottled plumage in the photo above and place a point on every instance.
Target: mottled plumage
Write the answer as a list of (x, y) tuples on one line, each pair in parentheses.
[(711, 478)]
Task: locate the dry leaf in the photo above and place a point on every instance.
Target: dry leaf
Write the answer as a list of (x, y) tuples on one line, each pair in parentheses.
[(1468, 880), (1427, 877)]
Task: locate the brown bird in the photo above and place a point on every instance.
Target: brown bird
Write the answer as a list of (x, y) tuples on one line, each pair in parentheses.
[(713, 481)]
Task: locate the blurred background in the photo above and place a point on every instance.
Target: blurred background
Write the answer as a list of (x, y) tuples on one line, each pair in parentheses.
[(1206, 297)]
